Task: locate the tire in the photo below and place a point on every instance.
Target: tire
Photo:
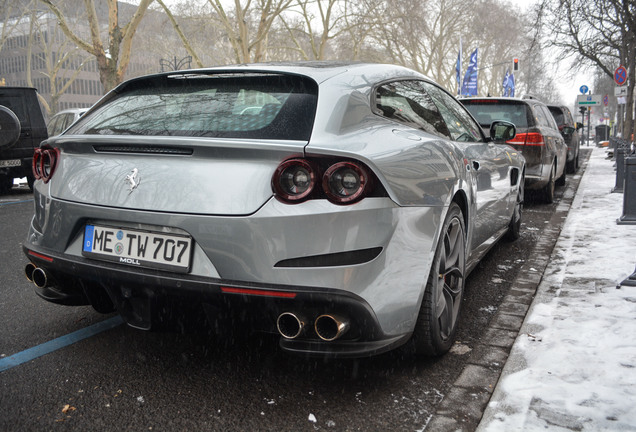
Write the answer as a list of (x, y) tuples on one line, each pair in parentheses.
[(6, 184), (436, 324), (561, 180), (548, 190), (514, 228), (10, 126), (30, 181)]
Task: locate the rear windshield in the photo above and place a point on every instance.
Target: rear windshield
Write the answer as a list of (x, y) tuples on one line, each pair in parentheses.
[(265, 106), (487, 111)]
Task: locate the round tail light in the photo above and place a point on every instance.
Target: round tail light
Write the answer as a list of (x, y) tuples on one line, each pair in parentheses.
[(345, 182), (44, 163), (294, 180)]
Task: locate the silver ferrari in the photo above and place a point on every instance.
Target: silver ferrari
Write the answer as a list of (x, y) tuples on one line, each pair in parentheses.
[(339, 205)]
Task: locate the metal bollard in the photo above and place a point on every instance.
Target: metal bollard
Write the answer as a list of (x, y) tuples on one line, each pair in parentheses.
[(614, 144), (620, 170), (629, 195)]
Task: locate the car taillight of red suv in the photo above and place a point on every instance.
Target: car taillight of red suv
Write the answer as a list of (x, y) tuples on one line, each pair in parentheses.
[(529, 139)]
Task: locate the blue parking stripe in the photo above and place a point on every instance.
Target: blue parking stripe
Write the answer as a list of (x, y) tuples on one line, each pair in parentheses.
[(61, 342), (15, 202)]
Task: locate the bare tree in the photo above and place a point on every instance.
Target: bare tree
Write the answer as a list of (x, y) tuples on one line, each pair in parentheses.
[(598, 33), (12, 14), (247, 26), (55, 52), (324, 15), (114, 56)]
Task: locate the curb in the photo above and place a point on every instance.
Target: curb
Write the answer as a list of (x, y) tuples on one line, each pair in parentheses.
[(463, 407)]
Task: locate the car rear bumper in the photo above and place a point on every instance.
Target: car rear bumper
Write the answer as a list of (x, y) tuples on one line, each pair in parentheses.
[(147, 298)]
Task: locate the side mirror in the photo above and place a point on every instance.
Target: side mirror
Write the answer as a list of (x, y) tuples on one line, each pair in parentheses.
[(579, 126), (567, 130), (502, 131), (9, 127)]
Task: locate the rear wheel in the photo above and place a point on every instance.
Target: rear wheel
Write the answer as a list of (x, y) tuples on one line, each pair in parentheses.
[(548, 190), (514, 229), (561, 180), (573, 165), (6, 183), (436, 324)]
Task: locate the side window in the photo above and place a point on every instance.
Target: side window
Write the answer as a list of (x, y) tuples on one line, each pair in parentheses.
[(407, 102), (550, 118), (540, 116), (460, 124)]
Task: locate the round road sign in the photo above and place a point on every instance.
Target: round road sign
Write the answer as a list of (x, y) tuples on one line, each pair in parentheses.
[(583, 89), (620, 75)]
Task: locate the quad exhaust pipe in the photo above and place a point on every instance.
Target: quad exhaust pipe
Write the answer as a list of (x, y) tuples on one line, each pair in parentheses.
[(330, 327), (37, 275), (290, 325), (327, 327)]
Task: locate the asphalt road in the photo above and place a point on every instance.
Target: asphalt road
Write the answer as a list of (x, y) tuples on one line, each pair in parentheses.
[(126, 379)]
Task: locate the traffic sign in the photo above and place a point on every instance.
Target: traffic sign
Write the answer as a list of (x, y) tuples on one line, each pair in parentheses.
[(620, 91), (620, 75), (588, 100), (606, 100), (584, 89)]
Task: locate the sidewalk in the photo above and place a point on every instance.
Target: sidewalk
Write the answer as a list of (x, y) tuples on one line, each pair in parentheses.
[(573, 364)]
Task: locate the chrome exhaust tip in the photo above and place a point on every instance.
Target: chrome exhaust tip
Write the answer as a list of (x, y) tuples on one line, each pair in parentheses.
[(290, 325), (40, 278), (330, 327), (28, 271)]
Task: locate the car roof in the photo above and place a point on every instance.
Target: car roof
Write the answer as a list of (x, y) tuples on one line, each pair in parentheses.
[(319, 71)]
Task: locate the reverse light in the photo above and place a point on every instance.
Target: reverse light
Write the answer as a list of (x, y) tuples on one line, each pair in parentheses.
[(530, 138), (45, 161)]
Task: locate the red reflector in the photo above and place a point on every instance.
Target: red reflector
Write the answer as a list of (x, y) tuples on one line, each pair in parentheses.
[(37, 255), (264, 293), (530, 138)]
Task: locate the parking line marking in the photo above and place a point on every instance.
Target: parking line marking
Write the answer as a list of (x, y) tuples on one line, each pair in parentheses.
[(15, 202), (61, 342)]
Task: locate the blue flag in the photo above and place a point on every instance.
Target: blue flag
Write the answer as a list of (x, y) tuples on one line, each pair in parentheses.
[(506, 89), (511, 85), (469, 86), (458, 67)]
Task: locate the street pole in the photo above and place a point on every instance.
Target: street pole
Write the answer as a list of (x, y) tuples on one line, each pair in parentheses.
[(588, 125)]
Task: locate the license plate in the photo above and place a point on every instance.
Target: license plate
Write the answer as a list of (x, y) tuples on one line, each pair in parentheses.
[(10, 163), (138, 248)]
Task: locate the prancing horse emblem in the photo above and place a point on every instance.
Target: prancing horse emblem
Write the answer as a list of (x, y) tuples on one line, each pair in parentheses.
[(133, 180)]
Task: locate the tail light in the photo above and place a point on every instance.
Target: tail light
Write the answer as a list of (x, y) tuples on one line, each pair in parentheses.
[(45, 161), (294, 180), (530, 138), (343, 182)]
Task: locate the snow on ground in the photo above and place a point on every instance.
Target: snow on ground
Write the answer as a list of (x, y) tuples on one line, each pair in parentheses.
[(573, 365)]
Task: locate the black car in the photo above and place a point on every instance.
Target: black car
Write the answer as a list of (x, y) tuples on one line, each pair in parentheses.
[(23, 129), (570, 131), (538, 138)]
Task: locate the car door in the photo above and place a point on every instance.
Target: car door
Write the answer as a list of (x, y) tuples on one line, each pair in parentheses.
[(488, 167)]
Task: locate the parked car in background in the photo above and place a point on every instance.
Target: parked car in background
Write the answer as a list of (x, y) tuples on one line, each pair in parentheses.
[(538, 138), (339, 205), (570, 131), (63, 119), (22, 129)]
